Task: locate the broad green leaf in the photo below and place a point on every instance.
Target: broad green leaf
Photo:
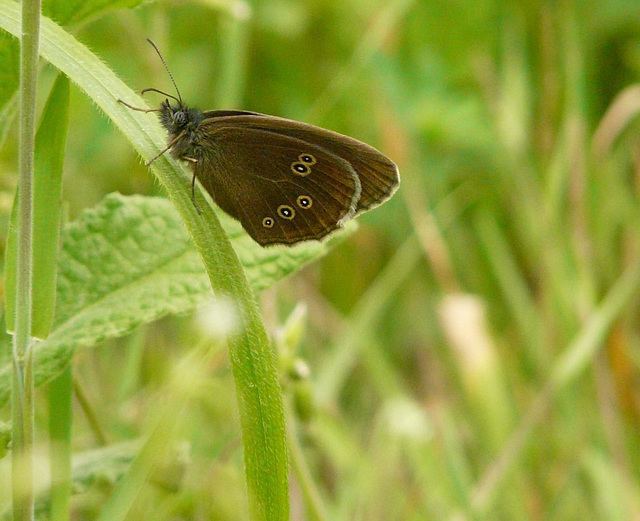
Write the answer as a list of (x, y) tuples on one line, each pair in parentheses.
[(47, 185), (129, 261)]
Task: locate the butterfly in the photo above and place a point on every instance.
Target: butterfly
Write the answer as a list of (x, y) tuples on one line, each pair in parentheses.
[(285, 181)]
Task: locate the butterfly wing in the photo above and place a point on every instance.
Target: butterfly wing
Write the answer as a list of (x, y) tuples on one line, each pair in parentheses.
[(282, 190), (379, 176)]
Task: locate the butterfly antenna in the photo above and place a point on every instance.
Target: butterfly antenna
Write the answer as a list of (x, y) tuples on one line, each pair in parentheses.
[(151, 89), (167, 68)]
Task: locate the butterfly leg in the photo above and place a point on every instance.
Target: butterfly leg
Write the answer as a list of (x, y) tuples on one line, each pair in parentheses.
[(137, 108), (193, 183)]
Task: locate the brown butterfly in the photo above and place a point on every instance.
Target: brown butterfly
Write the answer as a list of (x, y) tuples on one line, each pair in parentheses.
[(285, 181)]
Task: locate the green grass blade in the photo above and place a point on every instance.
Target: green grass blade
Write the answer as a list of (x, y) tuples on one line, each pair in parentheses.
[(47, 188), (580, 352)]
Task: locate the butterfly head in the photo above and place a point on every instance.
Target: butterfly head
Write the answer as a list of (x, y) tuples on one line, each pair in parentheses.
[(179, 119)]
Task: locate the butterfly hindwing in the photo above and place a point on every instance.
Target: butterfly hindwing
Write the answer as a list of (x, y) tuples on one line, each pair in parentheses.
[(282, 189)]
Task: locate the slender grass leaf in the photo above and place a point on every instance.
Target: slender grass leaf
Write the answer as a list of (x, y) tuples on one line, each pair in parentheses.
[(60, 422), (9, 74), (47, 186)]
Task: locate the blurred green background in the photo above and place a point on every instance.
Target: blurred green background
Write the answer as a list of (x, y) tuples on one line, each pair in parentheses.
[(473, 348)]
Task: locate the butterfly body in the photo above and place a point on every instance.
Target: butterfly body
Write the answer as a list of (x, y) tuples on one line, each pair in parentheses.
[(285, 181)]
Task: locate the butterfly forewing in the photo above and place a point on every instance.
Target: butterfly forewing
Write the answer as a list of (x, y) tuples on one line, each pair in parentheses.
[(378, 175), (282, 189)]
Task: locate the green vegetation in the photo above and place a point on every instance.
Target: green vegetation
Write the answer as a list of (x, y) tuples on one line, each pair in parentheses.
[(470, 351)]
